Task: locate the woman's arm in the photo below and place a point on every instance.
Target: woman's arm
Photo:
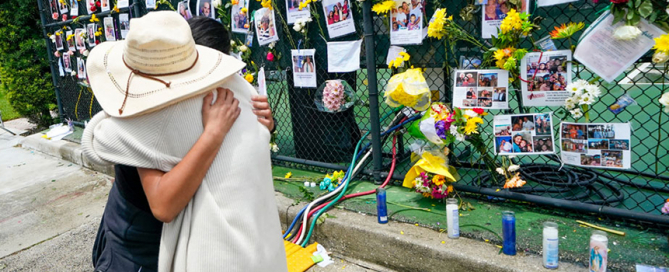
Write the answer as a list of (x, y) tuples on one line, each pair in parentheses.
[(169, 193)]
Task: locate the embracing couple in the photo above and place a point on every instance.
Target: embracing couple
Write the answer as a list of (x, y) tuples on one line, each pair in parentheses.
[(189, 140)]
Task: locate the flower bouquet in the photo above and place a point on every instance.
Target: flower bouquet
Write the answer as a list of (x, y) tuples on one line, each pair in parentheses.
[(583, 94), (431, 175), (334, 96), (432, 186), (507, 170), (410, 89)]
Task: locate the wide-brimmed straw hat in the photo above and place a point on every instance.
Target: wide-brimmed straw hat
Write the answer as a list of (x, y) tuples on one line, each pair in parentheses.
[(158, 65)]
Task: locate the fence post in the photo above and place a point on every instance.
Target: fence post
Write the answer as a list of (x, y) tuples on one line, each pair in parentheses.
[(50, 56), (370, 57)]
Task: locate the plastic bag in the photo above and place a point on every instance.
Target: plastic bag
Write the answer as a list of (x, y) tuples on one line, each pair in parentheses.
[(408, 89)]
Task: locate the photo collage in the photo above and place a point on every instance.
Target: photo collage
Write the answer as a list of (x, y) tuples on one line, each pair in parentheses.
[(406, 22), (596, 145), (524, 134), (547, 75), (486, 89), (338, 17)]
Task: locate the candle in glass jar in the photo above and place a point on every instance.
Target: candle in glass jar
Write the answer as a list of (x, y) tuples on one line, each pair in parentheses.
[(550, 245), (509, 233), (452, 218), (598, 251)]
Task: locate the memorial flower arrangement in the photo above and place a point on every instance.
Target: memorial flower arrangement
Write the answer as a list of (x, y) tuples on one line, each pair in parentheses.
[(399, 61), (334, 95), (509, 171), (583, 94), (632, 11), (409, 89), (506, 51), (431, 176), (432, 186)]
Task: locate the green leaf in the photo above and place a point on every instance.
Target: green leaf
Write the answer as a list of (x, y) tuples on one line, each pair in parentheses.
[(653, 17), (633, 17), (618, 14), (645, 9), (637, 3)]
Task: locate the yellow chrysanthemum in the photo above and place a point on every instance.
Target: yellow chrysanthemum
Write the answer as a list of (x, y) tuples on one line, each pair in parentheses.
[(472, 125), (662, 43), (405, 56), (436, 27), (511, 22), (94, 19), (383, 7), (249, 78), (266, 4), (243, 10), (115, 9), (438, 180), (304, 4)]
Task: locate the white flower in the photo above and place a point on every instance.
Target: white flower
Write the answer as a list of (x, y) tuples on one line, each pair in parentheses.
[(586, 99), (85, 53), (575, 87), (454, 130), (660, 57), (500, 170), (216, 3), (274, 147), (460, 137), (569, 106), (626, 33), (664, 100), (272, 44), (73, 73), (513, 168), (232, 43), (53, 38), (243, 48), (471, 113), (297, 27), (593, 91), (512, 156), (569, 100), (576, 113)]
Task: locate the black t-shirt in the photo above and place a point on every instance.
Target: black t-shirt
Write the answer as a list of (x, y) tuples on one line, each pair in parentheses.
[(130, 186)]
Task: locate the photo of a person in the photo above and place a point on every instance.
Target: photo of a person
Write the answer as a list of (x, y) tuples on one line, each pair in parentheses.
[(524, 122), (466, 79), (67, 62), (124, 22), (70, 41), (601, 131), (338, 12), (499, 95), (619, 144), (81, 68), (59, 41), (471, 93), (543, 144), (598, 144), (612, 158), (304, 68), (54, 7), (104, 4), (546, 73), (91, 28), (79, 38), (183, 10), (488, 80), (497, 9), (338, 17), (205, 9), (503, 130), (542, 124), (240, 18), (571, 131), (469, 103), (485, 93), (503, 144), (74, 8), (578, 146), (591, 160), (63, 7), (522, 143), (265, 26), (110, 31), (484, 102)]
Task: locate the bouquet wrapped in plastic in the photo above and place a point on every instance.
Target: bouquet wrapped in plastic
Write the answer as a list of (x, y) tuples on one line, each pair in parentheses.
[(334, 96), (408, 89)]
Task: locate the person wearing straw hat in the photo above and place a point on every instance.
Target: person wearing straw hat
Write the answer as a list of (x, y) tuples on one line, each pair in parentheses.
[(216, 196)]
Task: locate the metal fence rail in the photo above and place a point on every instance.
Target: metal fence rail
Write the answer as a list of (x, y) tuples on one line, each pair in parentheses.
[(309, 137)]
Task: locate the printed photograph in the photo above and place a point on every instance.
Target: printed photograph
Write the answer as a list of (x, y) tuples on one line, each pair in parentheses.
[(81, 68), (612, 158), (619, 144), (591, 160), (502, 130), (467, 63), (543, 144), (53, 4), (110, 32), (485, 93), (67, 64), (104, 4), (503, 144), (599, 144), (484, 102), (265, 26), (571, 131), (499, 94), (205, 9), (542, 124), (74, 10), (469, 103), (303, 64), (547, 73), (578, 146), (91, 28), (522, 143), (497, 9), (407, 17), (488, 80), (79, 37), (240, 19), (151, 4), (471, 93), (465, 79), (124, 23), (337, 12), (183, 10), (522, 123), (59, 41), (601, 131), (62, 5), (70, 42)]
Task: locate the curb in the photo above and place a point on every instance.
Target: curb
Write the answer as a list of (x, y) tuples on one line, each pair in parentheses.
[(360, 237)]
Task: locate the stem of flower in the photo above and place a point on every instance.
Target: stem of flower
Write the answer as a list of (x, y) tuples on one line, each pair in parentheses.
[(586, 113), (285, 26), (317, 17), (659, 124)]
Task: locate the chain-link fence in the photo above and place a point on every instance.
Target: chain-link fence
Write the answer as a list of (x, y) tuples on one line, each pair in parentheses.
[(311, 138)]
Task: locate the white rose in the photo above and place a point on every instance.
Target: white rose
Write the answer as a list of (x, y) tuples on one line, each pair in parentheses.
[(500, 170), (232, 43), (243, 48), (660, 57), (275, 148), (272, 44), (586, 99), (454, 130), (216, 3), (626, 33), (297, 27), (576, 113), (53, 38), (664, 100), (593, 91), (513, 168)]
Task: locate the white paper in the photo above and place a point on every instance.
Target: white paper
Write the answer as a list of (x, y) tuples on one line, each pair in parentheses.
[(344, 57), (294, 13), (488, 89), (79, 38), (304, 68), (61, 72), (104, 5), (544, 3), (110, 32), (608, 57), (184, 10), (204, 8), (122, 3), (74, 8), (429, 130), (393, 53), (265, 26), (124, 22), (91, 28), (67, 63), (492, 15), (598, 145), (262, 84), (338, 17), (81, 68), (524, 134), (88, 6), (548, 78), (240, 21), (150, 4), (58, 133), (406, 23)]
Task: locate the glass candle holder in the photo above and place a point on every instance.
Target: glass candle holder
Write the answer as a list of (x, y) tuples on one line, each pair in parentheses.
[(550, 245), (509, 232), (453, 218)]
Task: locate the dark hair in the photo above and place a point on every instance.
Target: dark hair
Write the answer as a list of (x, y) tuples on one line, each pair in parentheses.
[(210, 33)]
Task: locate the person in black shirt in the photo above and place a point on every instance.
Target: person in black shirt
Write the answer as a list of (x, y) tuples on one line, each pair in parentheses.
[(128, 238)]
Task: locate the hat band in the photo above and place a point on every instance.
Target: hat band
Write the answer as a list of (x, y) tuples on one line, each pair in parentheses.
[(134, 71)]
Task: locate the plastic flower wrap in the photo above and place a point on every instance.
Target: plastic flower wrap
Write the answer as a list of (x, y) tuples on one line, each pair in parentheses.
[(334, 96), (431, 174), (408, 89)]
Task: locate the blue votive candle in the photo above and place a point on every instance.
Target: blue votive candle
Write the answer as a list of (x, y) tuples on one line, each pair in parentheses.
[(509, 232)]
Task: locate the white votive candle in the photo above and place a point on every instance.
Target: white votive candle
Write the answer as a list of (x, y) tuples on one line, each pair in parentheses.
[(550, 245), (452, 218)]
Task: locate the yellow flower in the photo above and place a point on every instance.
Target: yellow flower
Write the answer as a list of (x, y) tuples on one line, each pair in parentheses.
[(383, 7), (62, 2), (427, 195), (288, 175), (405, 56), (234, 2), (450, 189), (391, 64), (70, 37), (249, 78), (304, 4), (436, 28), (662, 43), (566, 31), (512, 21), (94, 19), (115, 9), (471, 126), (266, 4), (243, 10), (438, 180)]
